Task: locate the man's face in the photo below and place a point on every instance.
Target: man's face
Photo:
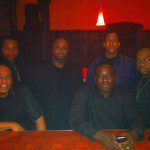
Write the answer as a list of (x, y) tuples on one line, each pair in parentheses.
[(104, 78), (60, 50), (5, 80), (111, 43), (143, 61), (10, 49)]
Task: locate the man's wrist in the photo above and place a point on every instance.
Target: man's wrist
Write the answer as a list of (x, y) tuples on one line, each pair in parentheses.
[(133, 134), (99, 135)]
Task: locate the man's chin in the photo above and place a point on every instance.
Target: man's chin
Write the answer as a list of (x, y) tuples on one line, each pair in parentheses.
[(143, 72), (60, 59)]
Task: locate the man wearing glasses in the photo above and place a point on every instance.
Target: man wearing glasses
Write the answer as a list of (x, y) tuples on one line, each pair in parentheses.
[(141, 86)]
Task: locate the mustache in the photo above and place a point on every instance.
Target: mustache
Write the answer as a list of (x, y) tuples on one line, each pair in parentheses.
[(60, 60)]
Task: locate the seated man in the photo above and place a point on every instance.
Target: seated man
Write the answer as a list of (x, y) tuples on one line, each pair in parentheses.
[(141, 86), (54, 84), (105, 106), (18, 108)]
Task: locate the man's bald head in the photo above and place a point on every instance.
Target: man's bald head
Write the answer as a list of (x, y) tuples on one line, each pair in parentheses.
[(143, 61)]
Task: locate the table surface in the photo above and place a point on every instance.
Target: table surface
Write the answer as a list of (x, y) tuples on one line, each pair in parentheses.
[(58, 140)]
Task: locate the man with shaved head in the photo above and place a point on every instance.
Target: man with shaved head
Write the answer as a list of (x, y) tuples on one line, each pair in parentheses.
[(18, 107), (105, 105), (54, 84), (141, 86)]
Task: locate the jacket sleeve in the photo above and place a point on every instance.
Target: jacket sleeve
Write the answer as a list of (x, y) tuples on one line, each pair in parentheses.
[(133, 116), (78, 117)]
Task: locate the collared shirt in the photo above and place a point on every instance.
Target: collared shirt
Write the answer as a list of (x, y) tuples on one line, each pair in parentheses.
[(20, 106), (125, 69), (92, 112)]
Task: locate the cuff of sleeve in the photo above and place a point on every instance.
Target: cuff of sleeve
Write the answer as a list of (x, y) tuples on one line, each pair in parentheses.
[(37, 116), (140, 135), (90, 132)]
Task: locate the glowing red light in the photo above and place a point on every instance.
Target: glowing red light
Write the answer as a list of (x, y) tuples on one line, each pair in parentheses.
[(84, 72)]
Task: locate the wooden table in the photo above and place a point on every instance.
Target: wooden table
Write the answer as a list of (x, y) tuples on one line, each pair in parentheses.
[(58, 140)]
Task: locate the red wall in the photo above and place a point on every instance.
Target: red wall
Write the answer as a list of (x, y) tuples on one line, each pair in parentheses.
[(82, 14)]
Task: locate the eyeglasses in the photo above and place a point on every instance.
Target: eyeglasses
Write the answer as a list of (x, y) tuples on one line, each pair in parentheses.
[(140, 60), (102, 76), (7, 77), (112, 41)]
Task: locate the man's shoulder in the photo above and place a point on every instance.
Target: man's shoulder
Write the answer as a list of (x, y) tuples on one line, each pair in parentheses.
[(37, 69), (86, 89), (39, 66), (20, 90), (123, 93), (126, 58), (97, 60)]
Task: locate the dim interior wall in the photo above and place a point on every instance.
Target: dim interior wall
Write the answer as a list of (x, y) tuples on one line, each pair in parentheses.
[(84, 45), (82, 14), (20, 12)]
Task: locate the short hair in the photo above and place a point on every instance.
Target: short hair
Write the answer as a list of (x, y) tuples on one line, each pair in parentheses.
[(109, 32), (104, 63), (8, 37), (143, 48), (6, 65)]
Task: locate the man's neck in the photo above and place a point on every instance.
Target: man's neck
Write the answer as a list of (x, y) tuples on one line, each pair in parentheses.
[(105, 94), (12, 61), (3, 95), (111, 56), (146, 76), (58, 64)]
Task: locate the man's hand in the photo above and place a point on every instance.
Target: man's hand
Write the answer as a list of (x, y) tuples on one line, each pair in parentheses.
[(16, 127), (11, 125), (127, 145), (107, 139)]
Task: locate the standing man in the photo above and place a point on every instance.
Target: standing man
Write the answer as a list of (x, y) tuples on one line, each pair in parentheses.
[(124, 66), (141, 86), (18, 107), (104, 105), (10, 52), (54, 84)]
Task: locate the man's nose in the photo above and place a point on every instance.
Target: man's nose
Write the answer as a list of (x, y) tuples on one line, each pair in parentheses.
[(105, 78), (3, 79), (142, 63), (11, 50), (61, 51)]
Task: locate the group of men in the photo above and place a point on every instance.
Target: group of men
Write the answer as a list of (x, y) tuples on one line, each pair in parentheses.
[(116, 94)]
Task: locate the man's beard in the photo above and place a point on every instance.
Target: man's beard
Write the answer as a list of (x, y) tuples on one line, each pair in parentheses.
[(59, 60)]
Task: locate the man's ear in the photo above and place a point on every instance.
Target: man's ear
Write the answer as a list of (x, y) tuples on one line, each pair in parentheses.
[(104, 44), (115, 78), (119, 43)]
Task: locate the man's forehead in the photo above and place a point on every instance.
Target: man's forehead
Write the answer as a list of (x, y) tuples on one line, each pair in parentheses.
[(112, 35), (61, 41), (102, 68), (4, 69), (144, 52)]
